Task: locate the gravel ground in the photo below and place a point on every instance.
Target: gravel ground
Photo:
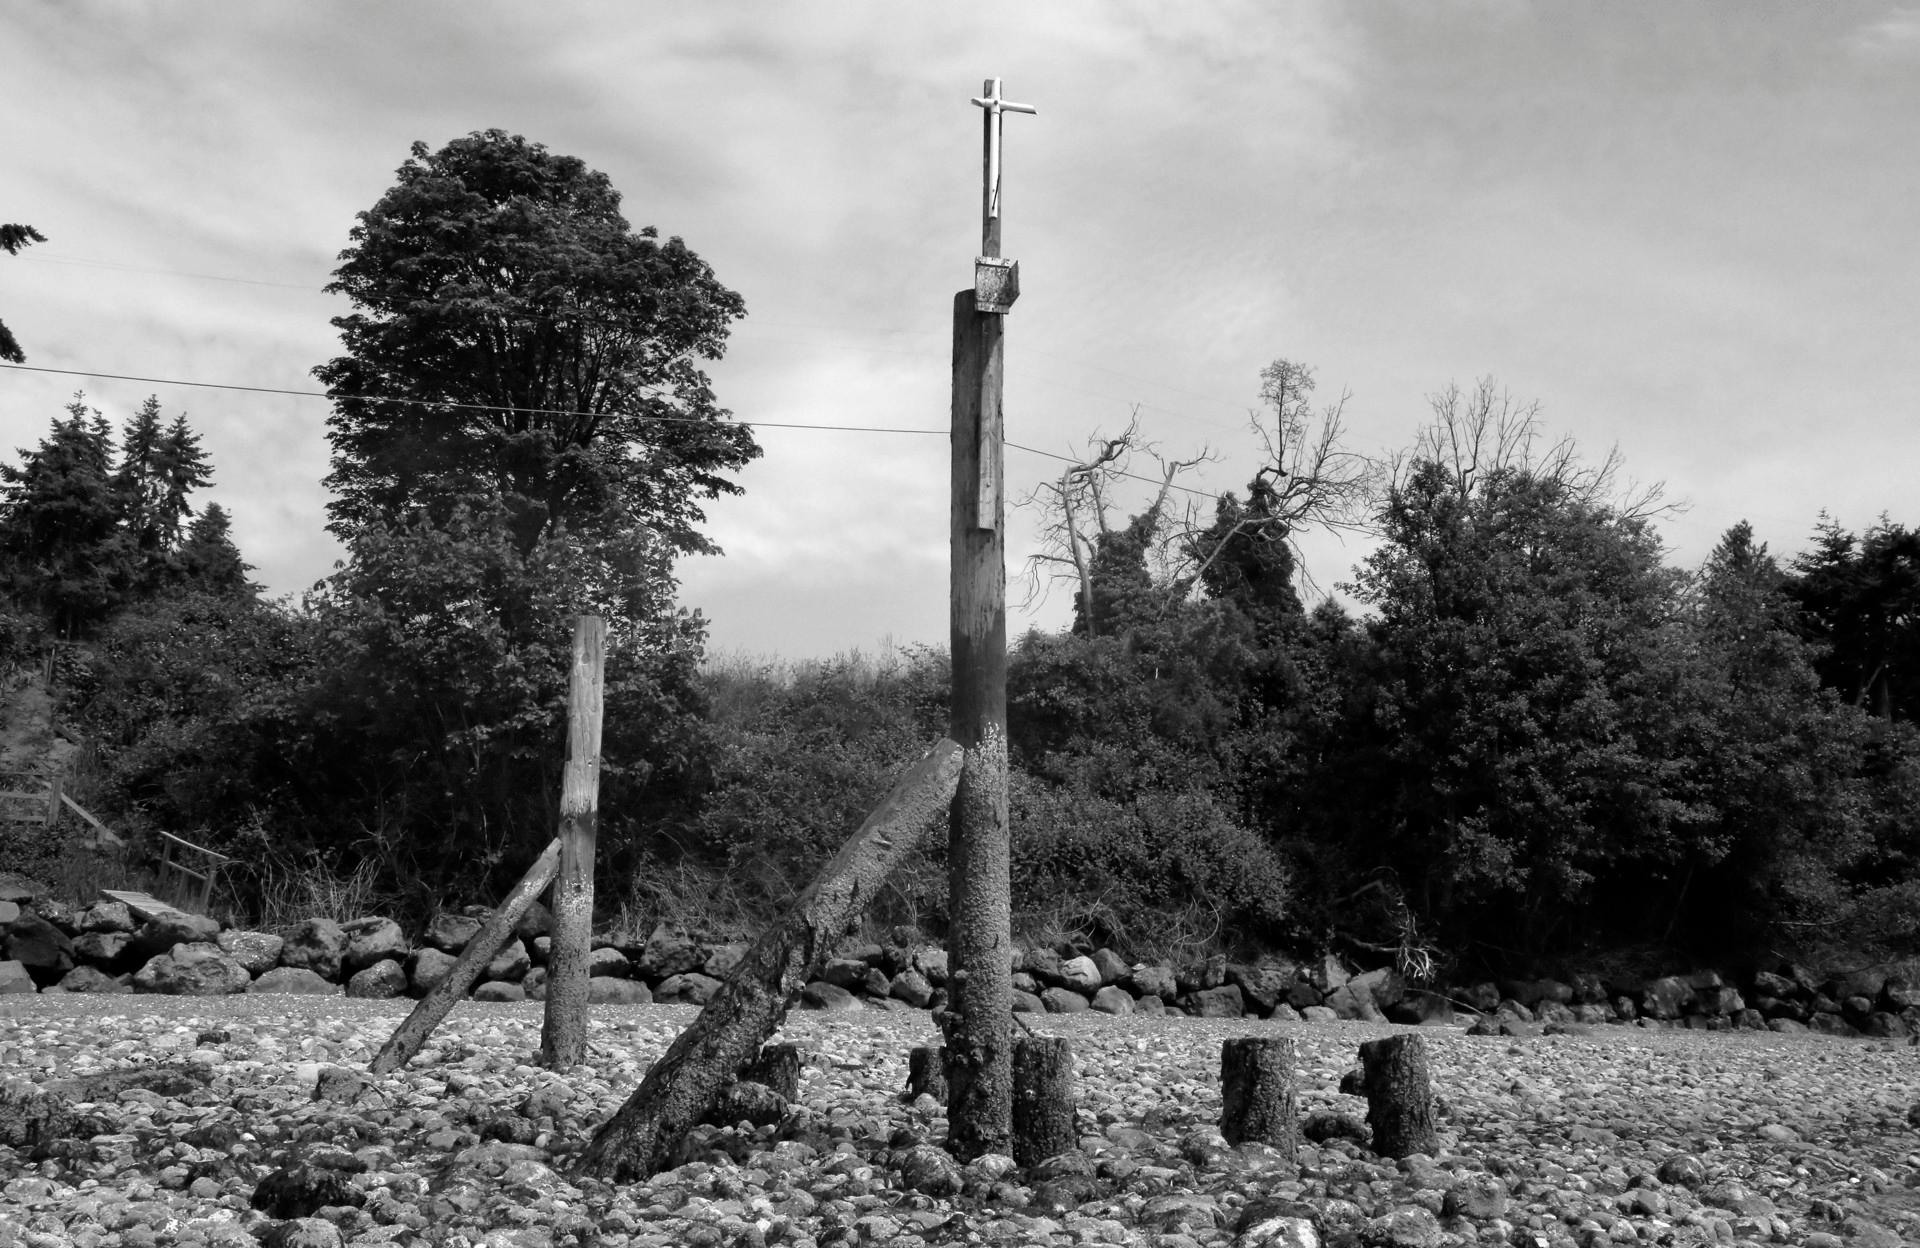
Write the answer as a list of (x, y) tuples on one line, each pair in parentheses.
[(1548, 1139)]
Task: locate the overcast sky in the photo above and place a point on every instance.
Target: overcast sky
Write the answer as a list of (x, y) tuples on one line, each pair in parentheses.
[(1686, 230)]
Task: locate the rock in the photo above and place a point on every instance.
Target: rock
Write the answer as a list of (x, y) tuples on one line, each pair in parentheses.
[(1043, 964), (162, 932), (317, 945), (722, 959), (1157, 981), (1325, 1124), (372, 939), (1410, 1227), (1386, 986), (1479, 1196), (1080, 974), (510, 964), (1028, 1003), (506, 990), (1264, 985), (301, 1233), (875, 983), (1319, 1014), (690, 988), (300, 1191), (259, 952), (106, 916), (1867, 982), (1151, 1007), (297, 980), (1223, 1001), (1114, 999), (535, 984), (1829, 1024), (1885, 1025), (608, 990), (90, 979), (15, 979), (200, 969), (1302, 995), (37, 945), (932, 963), (1112, 967), (1718, 999), (912, 987), (382, 981), (9, 911), (111, 951), (670, 951), (749, 1102), (606, 962), (21, 889), (1259, 1228), (426, 967), (536, 922), (848, 973), (449, 933), (1769, 984), (820, 995), (1555, 1013), (931, 1171), (1666, 998), (1683, 1170), (1352, 1001), (1063, 1001)]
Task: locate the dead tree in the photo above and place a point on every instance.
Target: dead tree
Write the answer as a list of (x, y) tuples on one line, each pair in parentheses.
[(703, 1060)]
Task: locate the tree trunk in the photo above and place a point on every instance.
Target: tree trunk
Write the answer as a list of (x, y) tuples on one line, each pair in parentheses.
[(1257, 1093), (1043, 1099), (1399, 1096), (485, 945), (563, 1040), (927, 1071), (684, 1084)]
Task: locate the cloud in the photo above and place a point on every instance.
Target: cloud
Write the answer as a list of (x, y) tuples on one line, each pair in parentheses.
[(1895, 37)]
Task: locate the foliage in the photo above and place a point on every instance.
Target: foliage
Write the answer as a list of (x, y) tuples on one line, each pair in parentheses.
[(12, 239), (1859, 598), (64, 548)]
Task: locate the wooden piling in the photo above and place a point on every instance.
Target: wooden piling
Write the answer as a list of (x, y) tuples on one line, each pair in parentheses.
[(563, 1039), (1399, 1096), (1257, 1093)]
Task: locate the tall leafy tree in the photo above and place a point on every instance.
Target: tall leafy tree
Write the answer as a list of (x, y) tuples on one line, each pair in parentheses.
[(12, 239)]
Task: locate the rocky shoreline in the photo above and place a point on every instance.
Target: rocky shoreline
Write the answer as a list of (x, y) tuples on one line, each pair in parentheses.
[(247, 1119)]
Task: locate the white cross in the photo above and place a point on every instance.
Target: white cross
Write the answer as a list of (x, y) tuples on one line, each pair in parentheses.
[(990, 207)]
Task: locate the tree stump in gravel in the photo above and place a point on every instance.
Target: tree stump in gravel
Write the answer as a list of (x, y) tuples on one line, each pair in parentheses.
[(927, 1072), (705, 1059), (1399, 1096), (1043, 1099), (778, 1067), (1257, 1095)]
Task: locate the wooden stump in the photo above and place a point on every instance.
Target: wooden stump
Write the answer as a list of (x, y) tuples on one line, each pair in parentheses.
[(1256, 1085), (778, 1067), (927, 1072), (1399, 1096), (1043, 1099)]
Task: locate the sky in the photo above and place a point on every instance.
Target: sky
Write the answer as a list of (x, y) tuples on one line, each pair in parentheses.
[(1687, 232)]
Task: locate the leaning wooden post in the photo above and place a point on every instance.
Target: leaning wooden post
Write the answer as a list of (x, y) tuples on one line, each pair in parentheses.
[(563, 1041), (1399, 1096), (485, 945), (979, 1028), (1044, 1098), (1257, 1093), (703, 1060)]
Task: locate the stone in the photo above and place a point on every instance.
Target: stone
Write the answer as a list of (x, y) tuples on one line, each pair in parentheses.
[(1352, 1001), (689, 988), (372, 939), (1260, 1228), (536, 922), (607, 990), (503, 990), (317, 945), (111, 951), (609, 962), (1666, 997), (1769, 984), (1063, 1001), (1112, 967), (1080, 974), (1028, 1003), (912, 987), (91, 979), (670, 951), (383, 981), (1150, 1006), (876, 984), (259, 952), (1318, 1014), (931, 1171), (1113, 999), (1156, 981), (1718, 999), (1223, 1001), (831, 998), (58, 913), (297, 980), (934, 964), (163, 931), (9, 911), (1683, 1170), (15, 979), (42, 949), (1263, 984), (1043, 964), (722, 959), (1410, 1227), (449, 933), (426, 967), (1886, 1026), (1867, 982), (535, 983), (1555, 1012), (107, 916), (300, 1191), (198, 969), (848, 973), (1479, 1196), (301, 1233), (1301, 995), (1386, 986), (510, 964), (21, 889)]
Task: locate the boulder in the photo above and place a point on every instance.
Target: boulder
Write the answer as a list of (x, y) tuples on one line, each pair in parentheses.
[(722, 959), (21, 889), (198, 969), (1318, 1014), (107, 916), (92, 979), (58, 913), (317, 945), (1666, 997), (1769, 984), (1223, 1001), (1352, 1001), (1151, 981), (912, 987), (1112, 967), (536, 922), (1149, 1006), (1719, 999), (42, 949), (297, 980), (1898, 994), (608, 963), (111, 951), (15, 979), (373, 939), (1080, 974), (1113, 999), (1301, 994), (848, 973), (606, 990), (1043, 964), (933, 964), (1555, 1012), (501, 990), (1531, 992), (259, 952), (449, 933), (9, 911), (1264, 984), (1385, 985), (670, 951), (1829, 1024), (1063, 1001), (165, 930), (1867, 982), (535, 984), (687, 988), (426, 967), (1028, 1003), (876, 983), (382, 981), (510, 964), (831, 998), (1886, 1026), (1588, 989)]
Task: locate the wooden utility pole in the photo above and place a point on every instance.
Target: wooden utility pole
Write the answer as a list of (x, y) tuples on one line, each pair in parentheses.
[(563, 1042), (979, 1030)]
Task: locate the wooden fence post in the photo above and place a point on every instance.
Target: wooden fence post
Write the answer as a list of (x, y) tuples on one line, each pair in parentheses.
[(563, 1040)]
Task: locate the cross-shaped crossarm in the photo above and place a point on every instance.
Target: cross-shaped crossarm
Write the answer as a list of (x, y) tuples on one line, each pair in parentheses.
[(990, 199)]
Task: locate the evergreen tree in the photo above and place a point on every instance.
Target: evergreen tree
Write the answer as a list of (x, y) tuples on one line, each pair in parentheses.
[(12, 239), (208, 560), (64, 550)]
